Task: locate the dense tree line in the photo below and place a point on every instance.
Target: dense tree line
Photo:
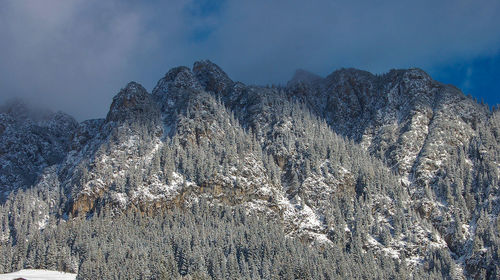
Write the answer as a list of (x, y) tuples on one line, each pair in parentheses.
[(202, 241)]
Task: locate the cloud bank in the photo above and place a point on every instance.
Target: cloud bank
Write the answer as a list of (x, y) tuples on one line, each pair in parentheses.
[(76, 55)]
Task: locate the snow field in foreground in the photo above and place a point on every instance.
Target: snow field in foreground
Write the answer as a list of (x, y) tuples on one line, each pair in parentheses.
[(38, 274)]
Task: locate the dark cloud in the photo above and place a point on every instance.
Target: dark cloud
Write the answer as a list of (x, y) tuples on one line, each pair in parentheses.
[(374, 35), (75, 55)]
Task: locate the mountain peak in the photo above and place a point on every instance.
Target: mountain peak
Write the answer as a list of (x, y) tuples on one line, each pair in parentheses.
[(350, 73), (212, 77), (410, 73), (179, 77), (134, 88), (130, 102)]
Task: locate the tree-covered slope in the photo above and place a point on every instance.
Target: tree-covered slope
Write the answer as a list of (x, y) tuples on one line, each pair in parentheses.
[(352, 172)]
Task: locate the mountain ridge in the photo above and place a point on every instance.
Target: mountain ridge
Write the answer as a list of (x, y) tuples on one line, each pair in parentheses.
[(413, 163)]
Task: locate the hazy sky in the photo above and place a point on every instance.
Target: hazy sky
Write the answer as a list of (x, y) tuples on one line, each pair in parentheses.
[(76, 55)]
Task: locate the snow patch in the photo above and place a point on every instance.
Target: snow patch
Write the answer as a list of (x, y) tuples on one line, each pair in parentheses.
[(303, 219), (157, 190), (121, 198), (414, 261), (390, 252), (38, 274), (43, 222)]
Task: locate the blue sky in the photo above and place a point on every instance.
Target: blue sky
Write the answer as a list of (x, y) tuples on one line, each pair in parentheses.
[(479, 77), (76, 55)]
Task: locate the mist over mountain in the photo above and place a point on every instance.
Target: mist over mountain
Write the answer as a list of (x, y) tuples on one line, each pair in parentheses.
[(353, 175)]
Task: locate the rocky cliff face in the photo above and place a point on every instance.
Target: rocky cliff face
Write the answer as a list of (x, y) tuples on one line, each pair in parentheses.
[(399, 164), (30, 140)]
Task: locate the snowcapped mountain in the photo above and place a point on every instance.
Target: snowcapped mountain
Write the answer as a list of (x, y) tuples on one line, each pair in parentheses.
[(397, 165)]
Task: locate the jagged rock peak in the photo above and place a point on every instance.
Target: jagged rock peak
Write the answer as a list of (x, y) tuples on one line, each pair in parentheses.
[(349, 74), (179, 77), (130, 102), (173, 90), (60, 123), (409, 74), (212, 77), (130, 95)]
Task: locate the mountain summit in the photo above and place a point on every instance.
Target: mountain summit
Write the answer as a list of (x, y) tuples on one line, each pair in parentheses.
[(397, 169)]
